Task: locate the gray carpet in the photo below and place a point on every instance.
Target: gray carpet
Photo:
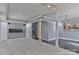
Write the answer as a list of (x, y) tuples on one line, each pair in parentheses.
[(30, 47)]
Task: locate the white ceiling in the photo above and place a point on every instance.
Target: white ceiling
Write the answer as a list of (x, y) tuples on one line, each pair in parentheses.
[(25, 11)]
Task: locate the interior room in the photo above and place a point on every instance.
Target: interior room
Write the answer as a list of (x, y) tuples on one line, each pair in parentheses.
[(39, 28)]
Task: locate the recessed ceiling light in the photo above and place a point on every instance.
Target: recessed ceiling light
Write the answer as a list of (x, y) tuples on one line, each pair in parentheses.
[(54, 8), (49, 6)]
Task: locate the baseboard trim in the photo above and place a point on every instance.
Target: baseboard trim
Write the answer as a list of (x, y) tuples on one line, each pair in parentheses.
[(17, 38), (62, 38)]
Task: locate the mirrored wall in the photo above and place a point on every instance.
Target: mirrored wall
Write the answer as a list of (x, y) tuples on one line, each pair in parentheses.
[(69, 35)]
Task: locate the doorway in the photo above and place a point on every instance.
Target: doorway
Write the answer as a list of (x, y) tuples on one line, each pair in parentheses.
[(35, 30)]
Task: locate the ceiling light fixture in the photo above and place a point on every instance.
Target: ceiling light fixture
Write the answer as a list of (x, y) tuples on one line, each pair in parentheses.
[(50, 6)]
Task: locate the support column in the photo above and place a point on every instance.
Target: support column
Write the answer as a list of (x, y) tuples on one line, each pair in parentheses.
[(57, 39), (39, 31), (28, 30), (4, 31), (4, 27)]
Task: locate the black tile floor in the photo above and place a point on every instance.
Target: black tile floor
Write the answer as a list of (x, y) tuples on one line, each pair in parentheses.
[(66, 45)]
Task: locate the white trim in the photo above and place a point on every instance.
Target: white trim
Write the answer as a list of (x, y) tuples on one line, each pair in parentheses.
[(75, 44), (12, 21), (63, 38), (49, 39), (13, 39), (18, 38), (48, 21), (57, 39)]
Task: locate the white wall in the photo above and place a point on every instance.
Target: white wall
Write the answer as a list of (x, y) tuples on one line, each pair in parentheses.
[(48, 30), (28, 30), (16, 26), (51, 30), (3, 30)]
